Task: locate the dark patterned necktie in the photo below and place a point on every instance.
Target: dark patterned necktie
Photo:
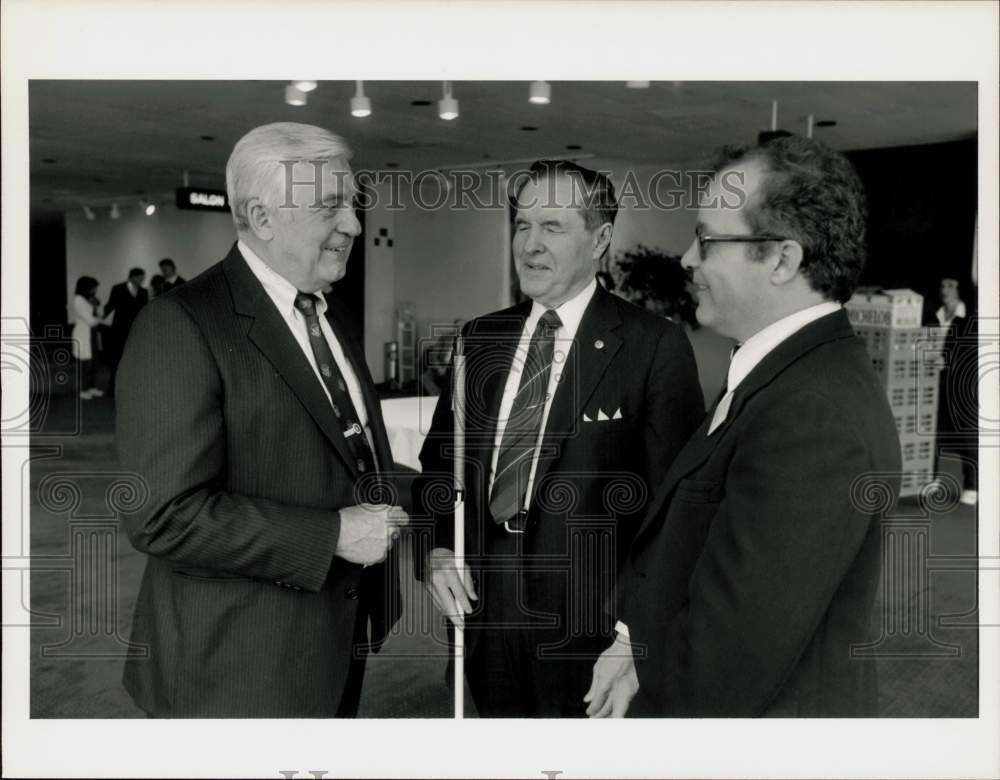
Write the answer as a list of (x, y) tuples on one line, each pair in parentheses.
[(343, 407), (517, 447)]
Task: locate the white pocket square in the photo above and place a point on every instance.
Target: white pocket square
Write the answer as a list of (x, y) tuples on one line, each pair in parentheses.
[(601, 416), (586, 418)]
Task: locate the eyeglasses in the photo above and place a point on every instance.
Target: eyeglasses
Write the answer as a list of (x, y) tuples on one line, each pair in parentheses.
[(759, 238)]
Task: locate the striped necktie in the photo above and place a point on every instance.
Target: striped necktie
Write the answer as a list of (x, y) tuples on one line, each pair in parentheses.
[(520, 437), (343, 407)]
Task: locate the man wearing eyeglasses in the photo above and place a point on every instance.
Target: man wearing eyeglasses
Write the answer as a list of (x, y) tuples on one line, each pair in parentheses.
[(752, 578)]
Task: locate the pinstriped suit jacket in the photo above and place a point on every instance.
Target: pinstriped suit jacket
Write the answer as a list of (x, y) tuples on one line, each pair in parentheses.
[(243, 605)]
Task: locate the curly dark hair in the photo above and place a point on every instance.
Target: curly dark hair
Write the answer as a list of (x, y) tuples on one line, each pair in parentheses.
[(811, 194)]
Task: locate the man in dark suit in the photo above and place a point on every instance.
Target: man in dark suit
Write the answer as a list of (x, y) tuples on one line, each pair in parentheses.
[(171, 278), (253, 423), (753, 576), (124, 302), (577, 402)]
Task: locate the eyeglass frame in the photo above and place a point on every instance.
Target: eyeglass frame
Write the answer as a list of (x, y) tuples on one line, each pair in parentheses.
[(751, 238)]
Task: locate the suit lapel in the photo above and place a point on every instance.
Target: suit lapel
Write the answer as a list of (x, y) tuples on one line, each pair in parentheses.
[(490, 352), (269, 332), (700, 446), (593, 349)]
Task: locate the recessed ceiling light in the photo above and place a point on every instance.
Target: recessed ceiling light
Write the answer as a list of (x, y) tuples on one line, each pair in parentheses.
[(447, 105), (573, 147), (540, 93), (361, 106), (528, 128), (420, 102), (392, 165), (826, 123), (294, 96), (208, 138)]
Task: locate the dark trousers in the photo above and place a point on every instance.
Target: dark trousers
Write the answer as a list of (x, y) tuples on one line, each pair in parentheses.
[(522, 665), (351, 698)]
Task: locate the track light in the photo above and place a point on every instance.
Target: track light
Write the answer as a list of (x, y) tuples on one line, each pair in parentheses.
[(360, 105), (304, 86), (637, 84), (294, 96), (447, 105), (88, 212), (114, 213), (540, 93)]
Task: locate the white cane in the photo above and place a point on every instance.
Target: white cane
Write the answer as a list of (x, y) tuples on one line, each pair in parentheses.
[(458, 415)]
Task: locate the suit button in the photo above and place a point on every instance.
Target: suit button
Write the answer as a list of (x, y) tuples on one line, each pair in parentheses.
[(352, 593)]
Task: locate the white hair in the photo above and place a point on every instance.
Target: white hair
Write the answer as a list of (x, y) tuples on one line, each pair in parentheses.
[(257, 165)]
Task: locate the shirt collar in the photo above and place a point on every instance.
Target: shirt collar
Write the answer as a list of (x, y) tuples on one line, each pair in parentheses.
[(942, 313), (570, 312), (277, 287), (757, 347)]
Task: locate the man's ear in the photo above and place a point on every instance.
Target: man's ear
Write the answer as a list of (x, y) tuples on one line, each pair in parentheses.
[(789, 260), (602, 240), (261, 220)]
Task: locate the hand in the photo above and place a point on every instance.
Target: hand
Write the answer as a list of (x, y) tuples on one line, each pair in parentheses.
[(450, 590), (615, 682), (367, 531)]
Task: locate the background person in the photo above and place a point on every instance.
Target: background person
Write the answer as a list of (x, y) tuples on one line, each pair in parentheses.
[(86, 317)]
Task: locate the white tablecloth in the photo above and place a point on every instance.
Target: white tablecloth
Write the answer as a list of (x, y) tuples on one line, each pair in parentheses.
[(407, 421)]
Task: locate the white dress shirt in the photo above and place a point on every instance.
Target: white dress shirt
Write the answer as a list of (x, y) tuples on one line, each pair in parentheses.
[(570, 313), (754, 350), (942, 314), (282, 293)]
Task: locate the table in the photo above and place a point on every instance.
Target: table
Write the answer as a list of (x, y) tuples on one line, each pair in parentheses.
[(408, 421)]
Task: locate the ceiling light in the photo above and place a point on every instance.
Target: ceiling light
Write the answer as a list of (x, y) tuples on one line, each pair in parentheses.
[(114, 213), (88, 212), (540, 93), (294, 96), (447, 105), (360, 105), (150, 209), (637, 84), (304, 86)]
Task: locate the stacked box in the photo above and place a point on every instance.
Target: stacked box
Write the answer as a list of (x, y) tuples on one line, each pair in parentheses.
[(908, 359)]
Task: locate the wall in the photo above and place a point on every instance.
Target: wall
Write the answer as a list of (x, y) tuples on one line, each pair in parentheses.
[(106, 249), (451, 262)]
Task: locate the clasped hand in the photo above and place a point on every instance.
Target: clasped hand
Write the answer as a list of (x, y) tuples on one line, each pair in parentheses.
[(367, 532)]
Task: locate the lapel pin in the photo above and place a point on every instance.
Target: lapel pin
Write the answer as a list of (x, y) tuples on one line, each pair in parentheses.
[(599, 344)]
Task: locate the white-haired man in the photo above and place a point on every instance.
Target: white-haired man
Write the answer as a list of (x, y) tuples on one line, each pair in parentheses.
[(249, 413)]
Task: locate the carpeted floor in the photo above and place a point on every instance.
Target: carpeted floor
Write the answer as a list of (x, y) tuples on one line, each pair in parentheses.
[(927, 656)]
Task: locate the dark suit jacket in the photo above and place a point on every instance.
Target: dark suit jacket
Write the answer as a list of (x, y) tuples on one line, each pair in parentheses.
[(756, 569), (593, 479), (244, 607), (177, 282), (126, 309)]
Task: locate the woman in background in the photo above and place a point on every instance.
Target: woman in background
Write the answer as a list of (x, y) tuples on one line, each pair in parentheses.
[(86, 316)]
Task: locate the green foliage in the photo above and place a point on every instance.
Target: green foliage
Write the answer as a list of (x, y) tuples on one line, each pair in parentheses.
[(654, 280)]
